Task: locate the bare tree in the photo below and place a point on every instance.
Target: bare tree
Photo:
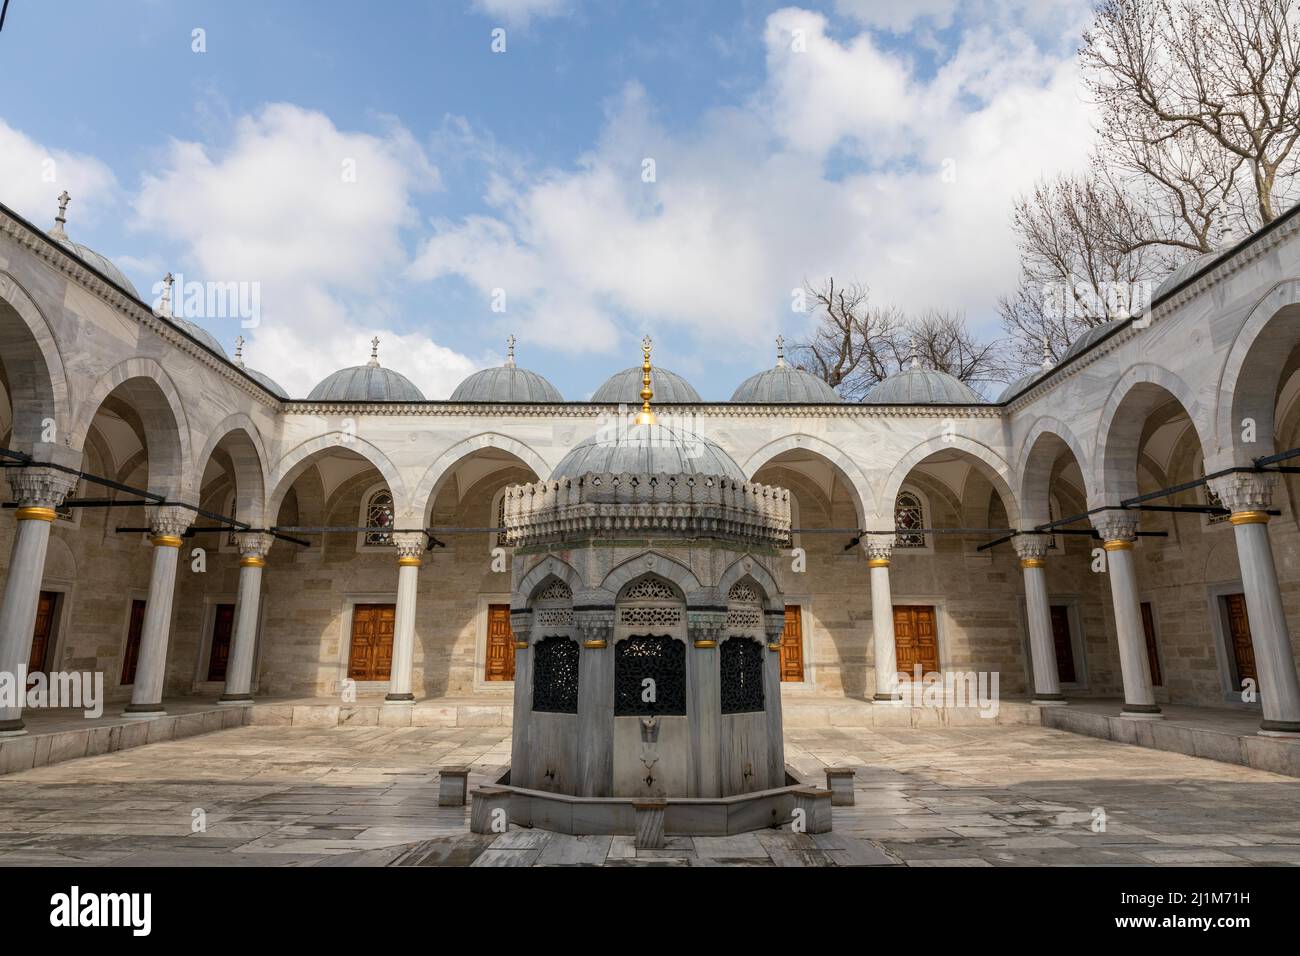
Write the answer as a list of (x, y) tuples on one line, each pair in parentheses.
[(1199, 120), (857, 344)]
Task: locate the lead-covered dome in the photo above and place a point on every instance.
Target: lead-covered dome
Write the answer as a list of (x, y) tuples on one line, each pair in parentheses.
[(197, 331), (647, 450), (366, 383), (1089, 338), (101, 264), (922, 386), (506, 383), (268, 383), (625, 387), (784, 385)]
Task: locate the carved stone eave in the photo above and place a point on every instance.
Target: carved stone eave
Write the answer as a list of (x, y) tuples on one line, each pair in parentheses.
[(588, 410), (64, 262)]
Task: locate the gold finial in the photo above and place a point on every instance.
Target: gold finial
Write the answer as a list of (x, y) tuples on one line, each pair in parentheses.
[(646, 416)]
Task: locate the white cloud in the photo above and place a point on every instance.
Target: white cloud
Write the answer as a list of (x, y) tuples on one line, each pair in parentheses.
[(895, 16), (33, 176), (836, 165), (313, 214), (518, 13)]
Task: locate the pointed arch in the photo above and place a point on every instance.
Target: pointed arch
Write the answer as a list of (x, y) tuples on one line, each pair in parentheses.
[(150, 391), (753, 570), (655, 564), (243, 443), (38, 384), (990, 463), (1048, 438), (435, 476), (295, 461), (1139, 391), (864, 502)]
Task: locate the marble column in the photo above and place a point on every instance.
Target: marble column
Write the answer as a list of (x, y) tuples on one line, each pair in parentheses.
[(37, 491), (1249, 496), (253, 547), (774, 627), (410, 547), (166, 525), (879, 548), (704, 705), (595, 630), (1118, 530), (1032, 549), (521, 625)]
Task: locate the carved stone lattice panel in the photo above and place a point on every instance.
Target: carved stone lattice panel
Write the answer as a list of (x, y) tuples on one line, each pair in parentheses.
[(745, 617), (742, 593), (555, 591), (555, 675), (741, 662), (661, 660), (650, 589), (650, 616), (554, 617)]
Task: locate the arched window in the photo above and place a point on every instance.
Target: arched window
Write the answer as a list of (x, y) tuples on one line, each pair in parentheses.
[(909, 515), (555, 675), (649, 676), (740, 660), (378, 513)]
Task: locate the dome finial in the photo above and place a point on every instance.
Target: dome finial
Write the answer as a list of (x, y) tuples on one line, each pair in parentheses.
[(916, 357), (1047, 354), (780, 351), (239, 350), (374, 353), (510, 351), (168, 282), (58, 232), (646, 416)]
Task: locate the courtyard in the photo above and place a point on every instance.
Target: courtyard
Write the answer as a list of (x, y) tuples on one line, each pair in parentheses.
[(367, 796)]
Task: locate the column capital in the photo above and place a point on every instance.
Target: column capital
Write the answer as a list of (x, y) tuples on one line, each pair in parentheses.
[(40, 487), (168, 522), (1245, 491), (879, 548), (595, 627), (1116, 525), (706, 627), (253, 547), (410, 546), (1031, 547)]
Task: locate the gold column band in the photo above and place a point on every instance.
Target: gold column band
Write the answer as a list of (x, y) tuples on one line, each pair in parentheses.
[(34, 513), (1033, 563), (165, 541), (521, 645), (877, 562), (252, 561), (1118, 544), (774, 647), (408, 562), (593, 645), (1249, 517), (706, 643)]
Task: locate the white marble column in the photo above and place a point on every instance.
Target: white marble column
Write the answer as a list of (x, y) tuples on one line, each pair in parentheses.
[(253, 547), (774, 626), (879, 548), (1118, 530), (595, 628), (37, 491), (1032, 549), (410, 550), (166, 525), (704, 703), (1249, 496)]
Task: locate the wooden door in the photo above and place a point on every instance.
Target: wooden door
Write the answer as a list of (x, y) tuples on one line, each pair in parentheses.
[(371, 654), (916, 641), (42, 632), (792, 644), (131, 655), (1064, 646), (500, 644), (1153, 658), (222, 622), (1243, 651)]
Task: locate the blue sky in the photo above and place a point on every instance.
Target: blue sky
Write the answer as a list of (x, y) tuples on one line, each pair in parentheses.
[(873, 141)]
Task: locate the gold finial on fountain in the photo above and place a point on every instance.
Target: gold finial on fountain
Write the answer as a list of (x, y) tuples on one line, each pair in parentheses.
[(645, 416)]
